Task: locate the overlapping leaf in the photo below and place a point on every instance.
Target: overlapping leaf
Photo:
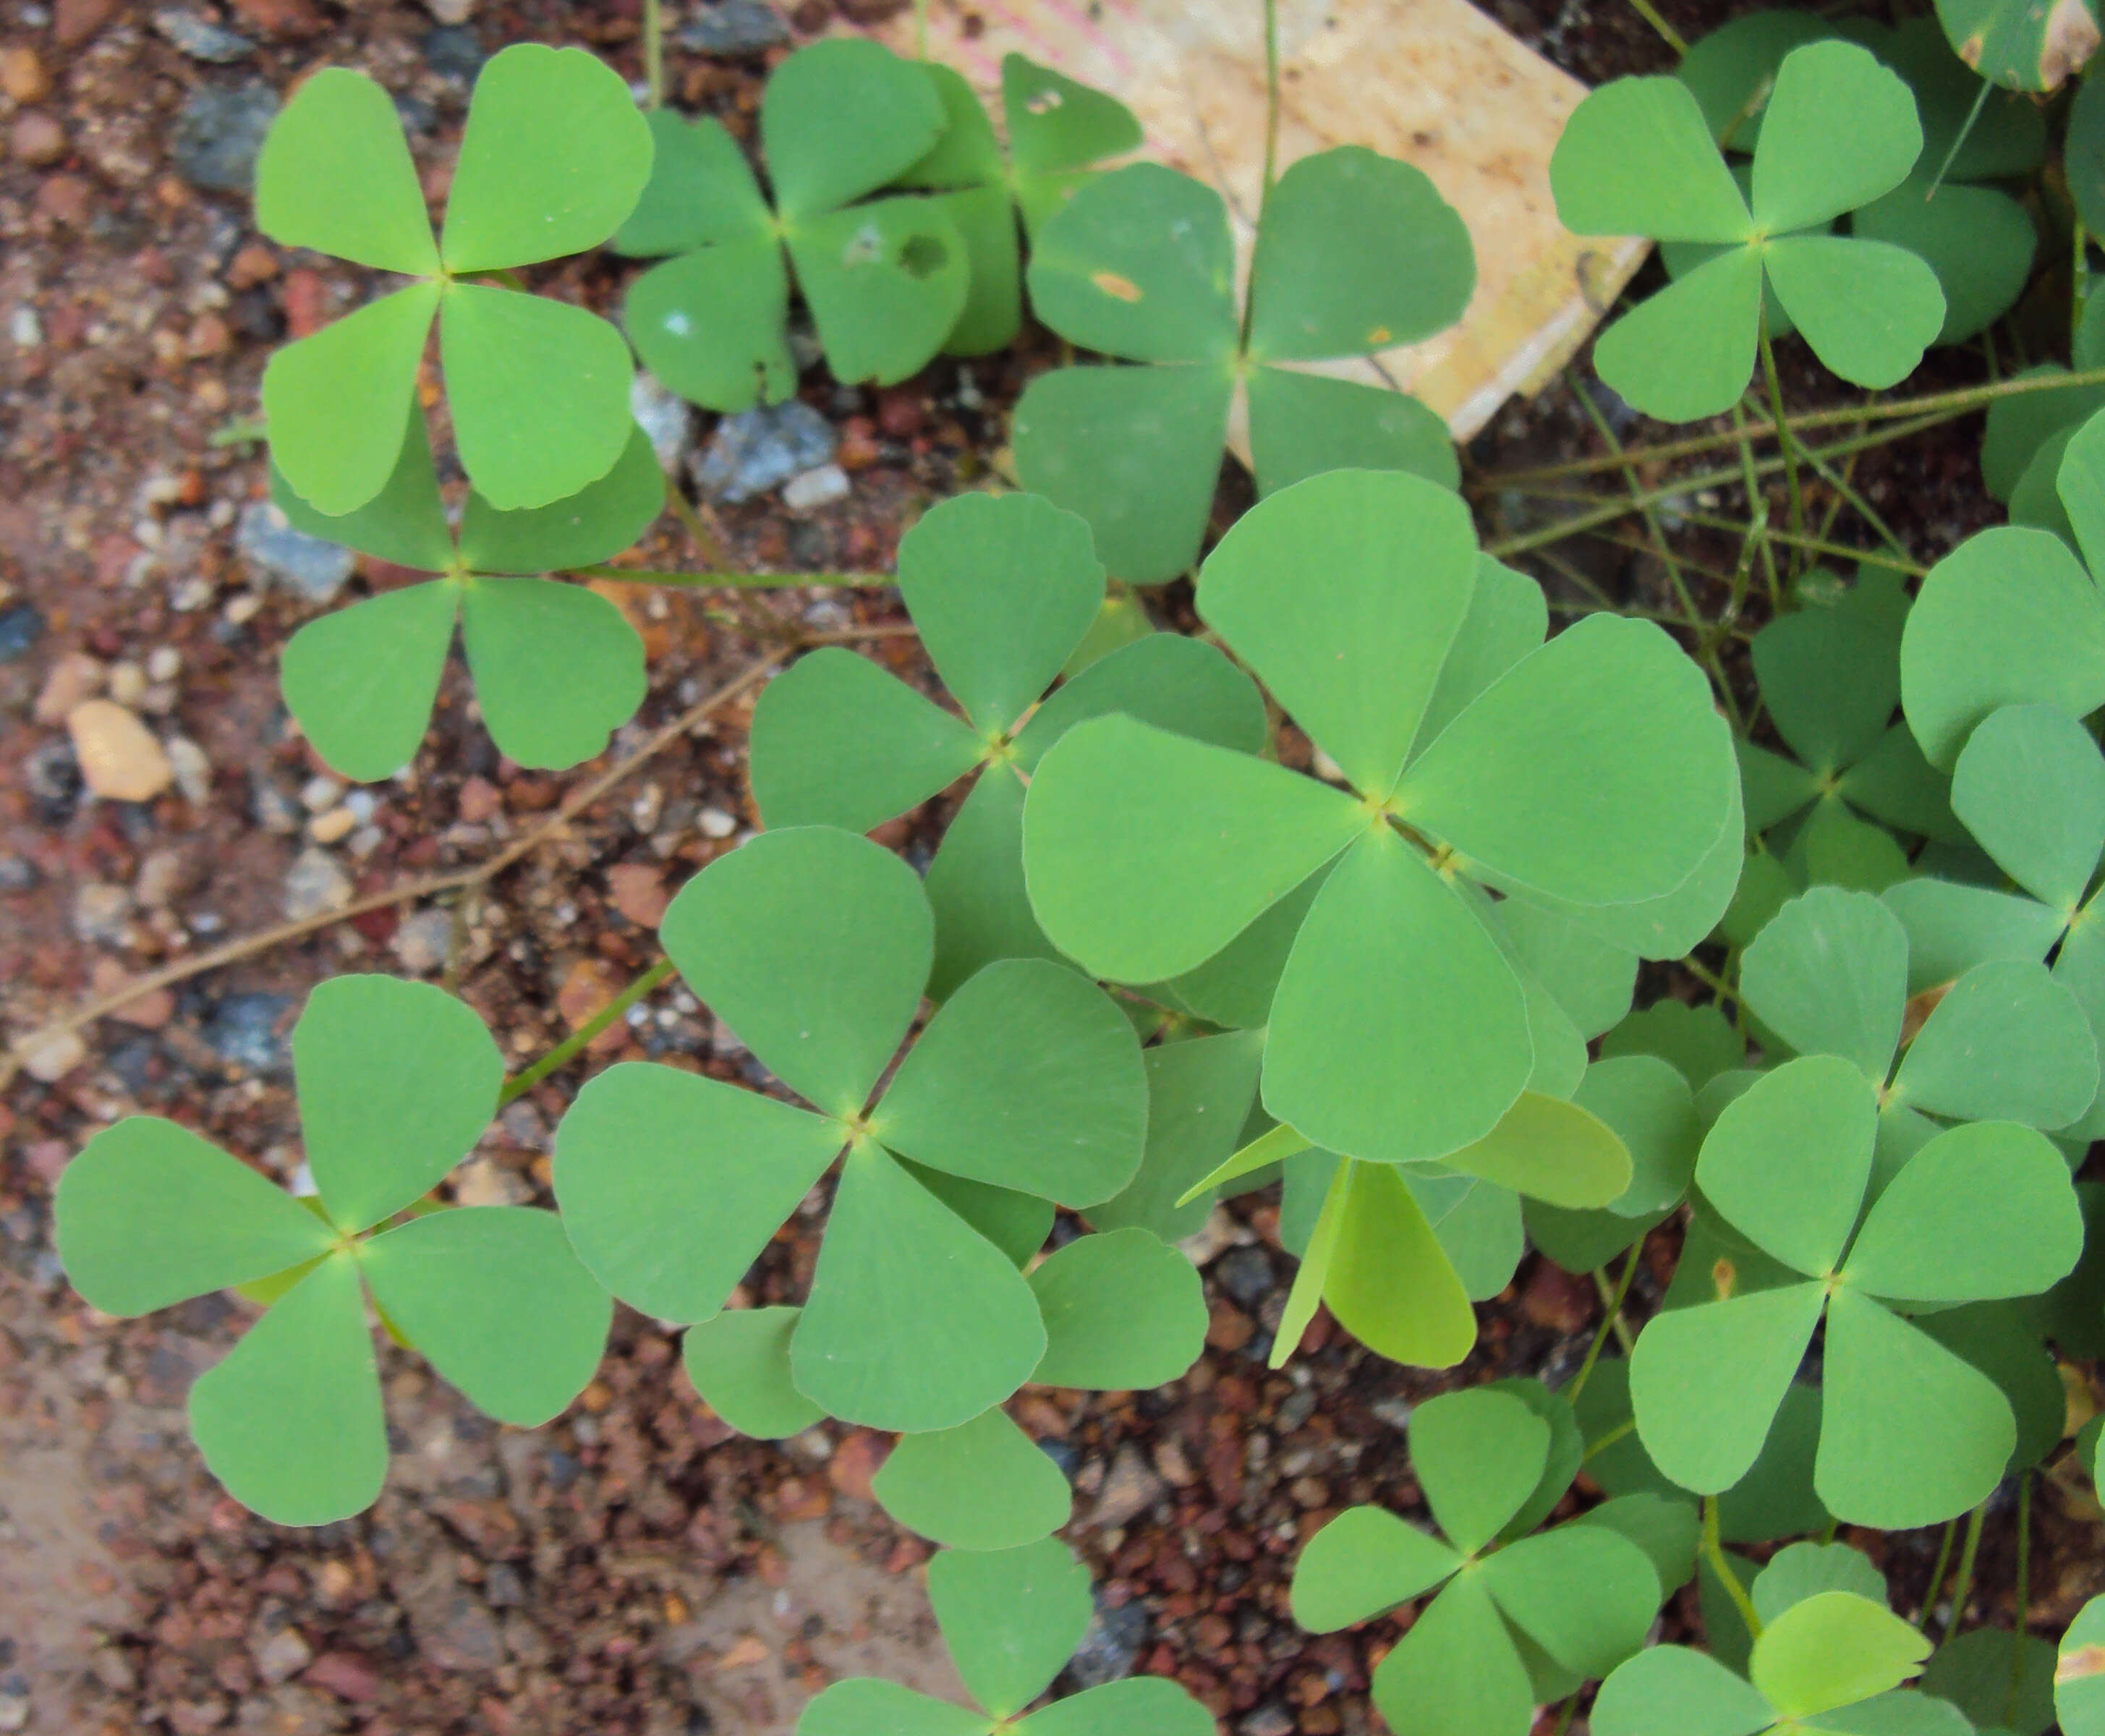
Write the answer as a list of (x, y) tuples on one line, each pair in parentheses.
[(1840, 131), (813, 946), (886, 279), (1003, 589), (396, 1082), (554, 157), (556, 667), (1357, 254)]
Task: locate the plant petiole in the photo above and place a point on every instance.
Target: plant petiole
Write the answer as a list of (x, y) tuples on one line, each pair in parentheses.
[(1611, 1319), (572, 1044), (1713, 1552)]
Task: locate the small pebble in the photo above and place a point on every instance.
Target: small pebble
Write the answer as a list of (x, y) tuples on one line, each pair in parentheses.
[(450, 12), (23, 77), (120, 759), (665, 417), (24, 330), (73, 678), (102, 913), (128, 683), (21, 626), (815, 487), (200, 38), (713, 823), (36, 141), (219, 135), (48, 1060), (420, 942), (314, 884), (305, 565), (163, 663), (733, 27), (193, 770), (333, 827), (759, 449), (252, 1031), (320, 793)]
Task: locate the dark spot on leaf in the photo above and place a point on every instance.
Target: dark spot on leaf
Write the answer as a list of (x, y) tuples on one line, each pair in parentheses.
[(1723, 1276)]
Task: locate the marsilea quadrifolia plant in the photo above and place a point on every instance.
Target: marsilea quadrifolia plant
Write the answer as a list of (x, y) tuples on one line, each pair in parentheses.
[(1353, 887)]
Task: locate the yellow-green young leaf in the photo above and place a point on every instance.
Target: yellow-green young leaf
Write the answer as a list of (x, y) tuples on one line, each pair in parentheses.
[(712, 324), (339, 400), (1274, 1146), (593, 524), (984, 1484), (1398, 1032), (1357, 252), (1787, 1162), (915, 1322), (1456, 1671), (1146, 852), (1318, 1251), (554, 157), (839, 118), (538, 391), (1135, 451), (670, 1184), (1688, 352), (149, 1214), (361, 682), (290, 1420), (863, 1705), (1029, 1077), (885, 282), (739, 1364), (2078, 1674), (557, 670), (1909, 1434), (1833, 1649), (1478, 1455), (493, 1298), (1706, 1380), (1390, 1283), (1343, 593), (396, 1083), (1583, 1593), (1139, 1706), (2007, 1043), (1001, 588), (1552, 1150), (2008, 617), (1122, 1311), (1011, 1617), (1669, 1690), (1637, 158), (813, 945), (1362, 1563), (334, 175)]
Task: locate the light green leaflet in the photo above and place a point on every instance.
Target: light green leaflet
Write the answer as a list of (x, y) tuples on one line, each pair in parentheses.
[(1003, 589), (1840, 131), (1832, 1662), (1649, 1107), (396, 1082), (1057, 131), (885, 279), (1591, 772), (554, 157), (1514, 1624), (1012, 1619), (2005, 1041), (813, 946), (1910, 1433), (1829, 679), (557, 668), (1357, 254)]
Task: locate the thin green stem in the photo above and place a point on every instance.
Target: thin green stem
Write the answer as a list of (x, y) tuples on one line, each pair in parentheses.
[(737, 581), (1709, 979), (1756, 529), (1602, 1442), (654, 53), (2021, 1595), (1667, 33), (1941, 406), (1271, 103), (1962, 1580), (1653, 527), (1786, 442), (1611, 1319), (1564, 1715), (574, 1044), (1936, 1573), (1713, 1552)]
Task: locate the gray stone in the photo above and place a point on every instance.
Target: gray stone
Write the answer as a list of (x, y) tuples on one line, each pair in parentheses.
[(814, 488), (252, 1032), (1245, 1273), (314, 884), (733, 27), (759, 449), (452, 51), (21, 626), (1270, 1719), (667, 418), (220, 132), (18, 874), (305, 565), (421, 942), (52, 774), (101, 913), (283, 1655), (200, 38), (1110, 1645), (1130, 1488)]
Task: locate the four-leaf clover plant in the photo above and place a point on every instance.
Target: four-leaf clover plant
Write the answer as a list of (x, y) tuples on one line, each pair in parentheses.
[(396, 1082), (1357, 254), (554, 157), (1637, 157)]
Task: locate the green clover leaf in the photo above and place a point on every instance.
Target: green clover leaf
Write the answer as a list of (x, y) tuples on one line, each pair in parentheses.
[(1011, 1618), (1648, 1106), (557, 668), (1910, 1433), (396, 1082), (1839, 131), (1146, 854), (813, 946), (1832, 1662), (2079, 1676), (554, 157), (885, 278), (1058, 131), (1514, 1624), (2021, 47), (1003, 589), (1357, 254)]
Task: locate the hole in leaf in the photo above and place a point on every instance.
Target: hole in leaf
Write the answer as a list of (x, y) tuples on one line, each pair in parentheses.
[(1044, 102)]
